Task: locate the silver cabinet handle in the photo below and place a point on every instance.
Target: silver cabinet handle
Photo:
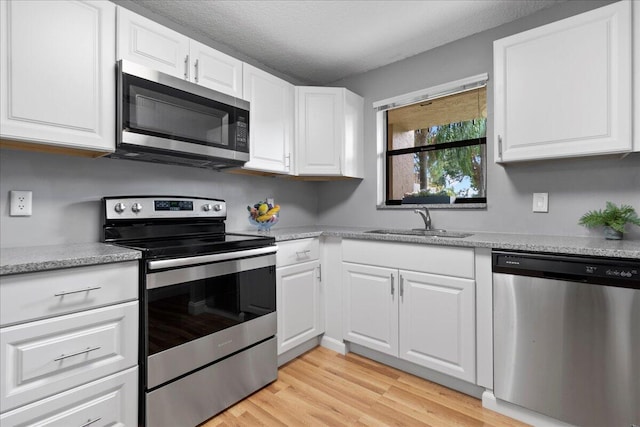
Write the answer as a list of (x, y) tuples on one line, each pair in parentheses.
[(392, 286), (63, 293), (304, 253), (401, 286), (195, 70), (186, 67), (500, 147), (66, 356), (320, 273), (90, 421)]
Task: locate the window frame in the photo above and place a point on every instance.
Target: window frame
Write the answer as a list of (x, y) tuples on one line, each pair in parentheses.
[(383, 106)]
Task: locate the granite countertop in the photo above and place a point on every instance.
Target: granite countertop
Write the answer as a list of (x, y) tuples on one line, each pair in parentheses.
[(41, 258), (589, 246)]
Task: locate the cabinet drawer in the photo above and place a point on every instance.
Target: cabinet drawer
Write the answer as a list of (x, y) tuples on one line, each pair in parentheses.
[(445, 260), (39, 295), (297, 251), (106, 402), (49, 356)]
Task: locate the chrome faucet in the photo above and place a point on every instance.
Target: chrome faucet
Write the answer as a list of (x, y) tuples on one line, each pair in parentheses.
[(426, 217)]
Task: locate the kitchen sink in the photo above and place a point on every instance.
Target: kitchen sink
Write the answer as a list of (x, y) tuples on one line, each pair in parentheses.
[(421, 232)]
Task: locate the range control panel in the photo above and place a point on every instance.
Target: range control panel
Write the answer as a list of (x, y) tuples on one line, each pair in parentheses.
[(158, 207)]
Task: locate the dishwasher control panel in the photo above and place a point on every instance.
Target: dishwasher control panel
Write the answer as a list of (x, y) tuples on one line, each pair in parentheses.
[(596, 270)]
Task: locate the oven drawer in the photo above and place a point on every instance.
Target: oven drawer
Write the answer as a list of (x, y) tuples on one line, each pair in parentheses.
[(49, 356), (297, 251), (30, 296), (105, 402)]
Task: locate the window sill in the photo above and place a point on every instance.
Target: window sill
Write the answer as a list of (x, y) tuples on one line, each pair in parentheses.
[(466, 206)]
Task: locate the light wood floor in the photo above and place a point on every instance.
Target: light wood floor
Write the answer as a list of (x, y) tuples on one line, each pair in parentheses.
[(324, 388)]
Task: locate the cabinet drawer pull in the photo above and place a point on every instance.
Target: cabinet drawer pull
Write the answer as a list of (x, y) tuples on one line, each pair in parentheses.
[(186, 67), (63, 293), (66, 356), (195, 69), (401, 287), (90, 421), (304, 253), (392, 286)]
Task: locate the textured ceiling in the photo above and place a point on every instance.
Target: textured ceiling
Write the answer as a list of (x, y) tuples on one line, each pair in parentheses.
[(319, 42)]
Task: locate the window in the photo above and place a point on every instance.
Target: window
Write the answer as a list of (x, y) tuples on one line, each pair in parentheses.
[(434, 146)]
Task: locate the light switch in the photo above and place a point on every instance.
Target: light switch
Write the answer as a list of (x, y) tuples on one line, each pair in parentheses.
[(541, 202)]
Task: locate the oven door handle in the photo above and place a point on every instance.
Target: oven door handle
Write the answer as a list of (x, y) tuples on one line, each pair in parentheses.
[(182, 262)]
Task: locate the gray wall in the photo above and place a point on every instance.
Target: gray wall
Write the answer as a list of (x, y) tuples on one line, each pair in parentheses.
[(574, 185), (67, 192)]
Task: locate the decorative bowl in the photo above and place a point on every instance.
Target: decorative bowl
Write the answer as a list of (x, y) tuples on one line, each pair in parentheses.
[(266, 225)]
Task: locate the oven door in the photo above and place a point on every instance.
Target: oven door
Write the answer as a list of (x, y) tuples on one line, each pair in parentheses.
[(162, 112), (197, 314)]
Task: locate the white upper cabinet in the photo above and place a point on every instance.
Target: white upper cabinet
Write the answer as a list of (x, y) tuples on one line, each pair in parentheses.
[(564, 89), (270, 120), (148, 43), (215, 70), (57, 73), (329, 132)]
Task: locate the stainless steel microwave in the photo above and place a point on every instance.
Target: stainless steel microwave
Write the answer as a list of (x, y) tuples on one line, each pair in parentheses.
[(165, 119)]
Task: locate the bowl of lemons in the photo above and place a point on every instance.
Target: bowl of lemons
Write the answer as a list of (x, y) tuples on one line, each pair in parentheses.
[(263, 215)]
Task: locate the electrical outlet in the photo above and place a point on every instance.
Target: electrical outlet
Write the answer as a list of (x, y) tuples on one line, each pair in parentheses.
[(541, 202), (20, 203)]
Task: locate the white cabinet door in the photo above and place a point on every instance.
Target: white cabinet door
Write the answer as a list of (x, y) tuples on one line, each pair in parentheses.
[(298, 304), (370, 307), (109, 401), (270, 120), (49, 356), (564, 89), (320, 121), (57, 73), (215, 70), (437, 323), (148, 43)]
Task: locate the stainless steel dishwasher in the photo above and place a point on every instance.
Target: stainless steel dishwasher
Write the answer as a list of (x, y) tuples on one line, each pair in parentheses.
[(567, 336)]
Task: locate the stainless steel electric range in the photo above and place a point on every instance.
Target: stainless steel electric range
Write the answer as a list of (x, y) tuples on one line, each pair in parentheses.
[(208, 298)]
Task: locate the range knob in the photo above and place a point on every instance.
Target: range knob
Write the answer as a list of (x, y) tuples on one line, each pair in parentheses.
[(120, 207), (136, 207), (207, 207), (217, 208)]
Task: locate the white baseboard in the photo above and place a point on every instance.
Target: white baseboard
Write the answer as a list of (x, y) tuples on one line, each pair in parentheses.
[(519, 413), (334, 344), (289, 355)]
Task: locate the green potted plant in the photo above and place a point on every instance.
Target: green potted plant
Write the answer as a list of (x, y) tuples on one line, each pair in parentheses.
[(612, 218)]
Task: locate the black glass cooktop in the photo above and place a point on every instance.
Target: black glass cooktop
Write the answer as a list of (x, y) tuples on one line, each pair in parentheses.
[(193, 246)]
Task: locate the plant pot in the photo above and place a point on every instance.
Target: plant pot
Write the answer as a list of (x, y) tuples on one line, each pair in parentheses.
[(611, 234)]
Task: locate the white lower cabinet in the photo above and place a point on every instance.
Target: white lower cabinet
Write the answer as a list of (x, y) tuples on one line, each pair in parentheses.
[(425, 317), (437, 323), (109, 401), (69, 353), (298, 293), (371, 307)]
